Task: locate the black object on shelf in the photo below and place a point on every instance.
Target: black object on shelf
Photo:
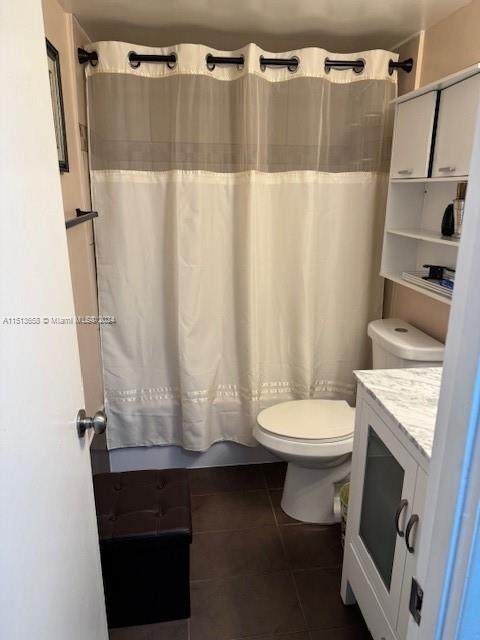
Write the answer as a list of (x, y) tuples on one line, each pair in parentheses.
[(436, 271), (82, 216), (448, 221)]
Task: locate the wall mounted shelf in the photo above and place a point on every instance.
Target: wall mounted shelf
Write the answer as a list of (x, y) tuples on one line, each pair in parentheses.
[(424, 236), (397, 278), (427, 180)]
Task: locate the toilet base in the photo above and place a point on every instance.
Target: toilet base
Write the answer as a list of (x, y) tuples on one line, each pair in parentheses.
[(309, 494)]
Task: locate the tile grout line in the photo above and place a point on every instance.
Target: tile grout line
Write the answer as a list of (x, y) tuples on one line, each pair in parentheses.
[(290, 571), (228, 492)]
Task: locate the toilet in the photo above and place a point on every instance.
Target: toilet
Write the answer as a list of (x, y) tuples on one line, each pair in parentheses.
[(315, 437)]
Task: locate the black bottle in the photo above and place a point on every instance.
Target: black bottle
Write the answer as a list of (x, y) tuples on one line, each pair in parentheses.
[(448, 221)]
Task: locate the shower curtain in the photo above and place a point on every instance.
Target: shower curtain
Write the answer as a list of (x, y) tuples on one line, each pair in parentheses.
[(238, 238)]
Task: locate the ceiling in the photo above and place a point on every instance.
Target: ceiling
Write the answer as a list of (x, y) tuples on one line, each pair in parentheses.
[(275, 25)]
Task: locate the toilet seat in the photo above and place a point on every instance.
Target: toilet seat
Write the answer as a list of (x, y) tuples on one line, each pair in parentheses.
[(313, 421)]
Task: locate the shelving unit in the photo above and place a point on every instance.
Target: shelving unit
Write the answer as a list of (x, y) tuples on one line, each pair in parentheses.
[(416, 200)]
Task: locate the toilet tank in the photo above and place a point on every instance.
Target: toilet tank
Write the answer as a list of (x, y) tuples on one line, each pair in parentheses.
[(397, 345)]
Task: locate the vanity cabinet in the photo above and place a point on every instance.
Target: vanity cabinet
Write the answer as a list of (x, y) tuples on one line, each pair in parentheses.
[(413, 137), (456, 125), (387, 494)]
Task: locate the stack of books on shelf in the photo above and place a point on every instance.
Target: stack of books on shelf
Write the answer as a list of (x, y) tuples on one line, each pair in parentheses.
[(444, 287)]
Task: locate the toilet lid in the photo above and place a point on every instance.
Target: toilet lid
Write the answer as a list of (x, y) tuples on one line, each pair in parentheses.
[(309, 419)]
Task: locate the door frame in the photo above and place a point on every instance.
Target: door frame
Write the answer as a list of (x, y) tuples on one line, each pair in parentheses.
[(451, 519)]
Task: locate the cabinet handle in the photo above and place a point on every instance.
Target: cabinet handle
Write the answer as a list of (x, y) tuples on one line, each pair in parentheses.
[(411, 523), (401, 506), (448, 169), (405, 172)]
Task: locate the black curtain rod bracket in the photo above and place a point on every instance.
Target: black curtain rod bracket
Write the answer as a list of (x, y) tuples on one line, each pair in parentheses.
[(212, 60), (87, 56), (136, 59), (290, 63), (404, 65)]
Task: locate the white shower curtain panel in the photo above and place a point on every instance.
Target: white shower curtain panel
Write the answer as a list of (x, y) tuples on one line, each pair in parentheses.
[(238, 237)]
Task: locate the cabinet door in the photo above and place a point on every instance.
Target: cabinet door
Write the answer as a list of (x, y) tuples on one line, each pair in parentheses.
[(412, 138), (383, 490), (411, 561), (456, 124)]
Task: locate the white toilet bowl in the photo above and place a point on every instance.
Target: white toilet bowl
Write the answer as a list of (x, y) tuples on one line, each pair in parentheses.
[(315, 437)]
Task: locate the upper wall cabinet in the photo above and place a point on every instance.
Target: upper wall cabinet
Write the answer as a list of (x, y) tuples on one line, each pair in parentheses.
[(412, 138), (431, 155), (455, 128)]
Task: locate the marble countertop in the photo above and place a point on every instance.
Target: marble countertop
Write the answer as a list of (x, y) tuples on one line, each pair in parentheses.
[(410, 397)]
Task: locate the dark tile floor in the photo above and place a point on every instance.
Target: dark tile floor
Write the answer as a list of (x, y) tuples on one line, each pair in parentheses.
[(257, 574)]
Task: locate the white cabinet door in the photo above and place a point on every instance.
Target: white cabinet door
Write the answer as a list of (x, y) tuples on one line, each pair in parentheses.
[(382, 491), (455, 128), (412, 138), (413, 540)]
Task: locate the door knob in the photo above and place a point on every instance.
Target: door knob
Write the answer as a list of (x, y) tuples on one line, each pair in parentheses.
[(98, 423)]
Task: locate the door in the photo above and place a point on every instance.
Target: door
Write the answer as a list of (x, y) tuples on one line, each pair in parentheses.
[(412, 138), (455, 129), (413, 540), (384, 474), (50, 576)]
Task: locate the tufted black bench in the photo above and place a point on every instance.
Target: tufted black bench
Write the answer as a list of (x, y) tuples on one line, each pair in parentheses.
[(145, 531)]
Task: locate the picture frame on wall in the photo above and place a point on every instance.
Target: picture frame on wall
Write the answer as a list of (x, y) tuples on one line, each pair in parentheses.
[(57, 105)]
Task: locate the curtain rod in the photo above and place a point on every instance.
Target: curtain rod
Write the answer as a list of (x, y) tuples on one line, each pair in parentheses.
[(211, 61)]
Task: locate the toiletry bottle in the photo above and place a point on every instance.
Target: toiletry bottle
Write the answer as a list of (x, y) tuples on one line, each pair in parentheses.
[(458, 207), (448, 221)]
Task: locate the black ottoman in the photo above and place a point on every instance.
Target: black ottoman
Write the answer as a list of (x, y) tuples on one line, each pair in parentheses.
[(145, 531)]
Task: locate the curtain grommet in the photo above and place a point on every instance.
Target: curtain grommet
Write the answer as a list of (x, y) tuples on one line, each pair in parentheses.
[(293, 68), (360, 70), (210, 65), (134, 65), (172, 65)]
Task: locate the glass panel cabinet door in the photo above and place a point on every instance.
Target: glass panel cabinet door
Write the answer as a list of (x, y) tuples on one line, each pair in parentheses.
[(382, 492), (382, 487)]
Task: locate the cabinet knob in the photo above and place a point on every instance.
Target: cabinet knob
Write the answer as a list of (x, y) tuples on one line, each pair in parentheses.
[(401, 506), (448, 169), (411, 523)]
